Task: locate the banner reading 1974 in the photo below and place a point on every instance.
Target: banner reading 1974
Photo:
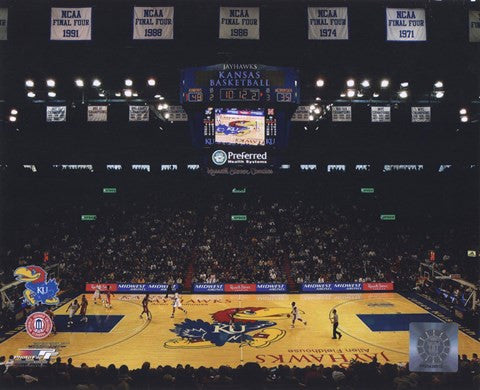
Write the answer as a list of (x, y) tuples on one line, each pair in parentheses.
[(327, 23), (71, 24), (239, 23), (153, 22), (406, 24)]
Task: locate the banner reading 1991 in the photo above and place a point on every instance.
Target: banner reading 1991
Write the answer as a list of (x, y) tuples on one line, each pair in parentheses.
[(71, 24), (239, 23), (153, 23), (406, 24)]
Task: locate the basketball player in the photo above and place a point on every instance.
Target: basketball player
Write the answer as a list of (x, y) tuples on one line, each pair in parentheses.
[(83, 309), (96, 295), (72, 309), (108, 297), (145, 302), (334, 321), (177, 304), (296, 315), (49, 312)]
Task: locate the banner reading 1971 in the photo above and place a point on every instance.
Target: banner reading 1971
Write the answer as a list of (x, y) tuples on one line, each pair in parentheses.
[(327, 23), (406, 24), (71, 24), (239, 23), (153, 22)]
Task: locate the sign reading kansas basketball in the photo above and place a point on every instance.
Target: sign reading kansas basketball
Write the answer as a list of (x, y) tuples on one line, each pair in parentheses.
[(97, 113), (71, 24), (474, 26), (153, 22), (56, 113), (406, 24), (3, 23), (433, 347), (327, 23), (239, 23)]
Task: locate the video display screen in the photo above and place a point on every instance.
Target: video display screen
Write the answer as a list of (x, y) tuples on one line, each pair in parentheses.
[(239, 127)]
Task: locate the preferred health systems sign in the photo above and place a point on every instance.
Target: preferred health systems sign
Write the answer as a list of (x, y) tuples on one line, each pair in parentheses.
[(406, 24), (327, 23), (153, 22), (239, 23), (71, 24)]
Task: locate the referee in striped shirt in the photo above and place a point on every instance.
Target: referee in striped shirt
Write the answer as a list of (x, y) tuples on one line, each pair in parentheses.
[(334, 320)]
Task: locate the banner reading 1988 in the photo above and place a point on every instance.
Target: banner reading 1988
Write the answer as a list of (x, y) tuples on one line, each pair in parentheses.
[(152, 22), (239, 23), (327, 23), (71, 24), (406, 24)]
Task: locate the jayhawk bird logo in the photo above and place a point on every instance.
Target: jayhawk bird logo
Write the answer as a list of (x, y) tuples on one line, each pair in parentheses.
[(252, 326), (37, 288)]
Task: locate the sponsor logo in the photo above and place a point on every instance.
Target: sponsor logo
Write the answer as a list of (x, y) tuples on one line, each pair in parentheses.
[(208, 287), (38, 325), (32, 357), (240, 287), (272, 287), (101, 286), (250, 326), (219, 157), (38, 288), (378, 286)]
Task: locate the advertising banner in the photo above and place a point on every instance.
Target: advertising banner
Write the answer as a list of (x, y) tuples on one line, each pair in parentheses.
[(331, 287), (240, 287), (71, 24), (152, 22), (208, 287), (378, 286), (271, 287), (91, 287), (327, 23), (406, 24), (130, 287), (239, 23)]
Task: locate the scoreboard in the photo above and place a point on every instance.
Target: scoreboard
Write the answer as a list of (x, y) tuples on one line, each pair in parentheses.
[(239, 83)]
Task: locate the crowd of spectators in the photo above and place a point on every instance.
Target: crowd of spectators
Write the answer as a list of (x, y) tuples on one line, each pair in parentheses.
[(371, 376)]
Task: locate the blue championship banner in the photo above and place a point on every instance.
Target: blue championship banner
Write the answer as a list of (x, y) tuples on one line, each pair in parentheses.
[(146, 288), (433, 347)]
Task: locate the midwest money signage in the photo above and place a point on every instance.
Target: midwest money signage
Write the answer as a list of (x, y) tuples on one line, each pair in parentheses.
[(327, 23), (71, 24), (239, 23), (153, 23), (406, 24)]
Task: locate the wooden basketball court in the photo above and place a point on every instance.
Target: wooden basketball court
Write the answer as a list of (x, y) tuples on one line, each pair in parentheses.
[(235, 329)]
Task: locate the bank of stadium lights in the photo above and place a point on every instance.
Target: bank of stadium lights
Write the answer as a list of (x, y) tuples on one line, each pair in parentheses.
[(342, 95), (404, 84), (96, 83), (438, 84), (439, 94), (463, 111), (376, 94), (12, 118), (52, 94), (365, 84), (350, 83), (350, 93), (384, 83), (403, 94), (128, 93), (359, 94), (464, 118), (29, 83), (128, 82), (79, 83), (320, 83), (311, 117), (31, 94), (151, 82), (13, 111), (101, 94), (463, 115), (135, 94), (167, 115), (51, 83)]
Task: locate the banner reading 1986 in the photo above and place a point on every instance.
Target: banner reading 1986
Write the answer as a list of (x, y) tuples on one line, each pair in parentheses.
[(71, 24), (327, 23), (153, 23), (239, 23), (406, 24)]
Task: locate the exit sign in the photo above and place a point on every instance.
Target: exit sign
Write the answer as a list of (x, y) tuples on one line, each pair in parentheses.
[(388, 217), (368, 190), (109, 190), (238, 217), (89, 217), (239, 191)]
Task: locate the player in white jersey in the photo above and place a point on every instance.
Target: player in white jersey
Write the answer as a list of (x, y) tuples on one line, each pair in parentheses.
[(96, 295), (177, 303), (72, 309), (296, 315)]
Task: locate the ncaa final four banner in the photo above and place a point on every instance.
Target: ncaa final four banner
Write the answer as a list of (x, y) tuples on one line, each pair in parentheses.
[(421, 114), (341, 113), (97, 113), (71, 24), (406, 24), (3, 23), (153, 22), (381, 114), (239, 23), (139, 114), (56, 113), (474, 26), (327, 23)]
